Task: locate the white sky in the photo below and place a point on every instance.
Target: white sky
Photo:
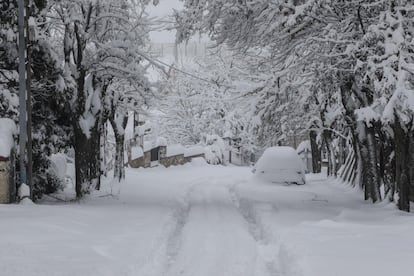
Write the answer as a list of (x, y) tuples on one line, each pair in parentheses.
[(162, 11)]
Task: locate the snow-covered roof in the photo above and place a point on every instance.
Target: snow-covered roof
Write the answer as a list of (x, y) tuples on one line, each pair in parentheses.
[(136, 152), (177, 149), (7, 130), (149, 145), (173, 150), (196, 150)]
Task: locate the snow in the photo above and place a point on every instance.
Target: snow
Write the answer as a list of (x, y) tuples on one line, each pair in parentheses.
[(86, 122), (280, 165), (215, 149), (187, 151), (176, 149), (304, 145), (194, 150), (198, 219), (149, 145), (58, 165), (24, 191), (136, 152), (7, 130), (367, 114), (161, 141)]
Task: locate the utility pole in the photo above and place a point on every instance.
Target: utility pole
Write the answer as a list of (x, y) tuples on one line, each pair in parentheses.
[(29, 105), (176, 52), (23, 137)]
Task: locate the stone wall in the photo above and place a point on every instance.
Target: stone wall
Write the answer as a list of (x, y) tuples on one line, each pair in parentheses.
[(179, 159), (173, 160), (188, 159), (142, 162), (4, 182)]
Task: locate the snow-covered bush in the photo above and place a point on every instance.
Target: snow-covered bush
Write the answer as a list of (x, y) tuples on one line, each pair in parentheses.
[(215, 149)]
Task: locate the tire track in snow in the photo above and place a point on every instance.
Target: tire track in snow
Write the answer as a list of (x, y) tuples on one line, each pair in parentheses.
[(174, 237), (169, 242), (257, 230), (215, 240), (249, 214)]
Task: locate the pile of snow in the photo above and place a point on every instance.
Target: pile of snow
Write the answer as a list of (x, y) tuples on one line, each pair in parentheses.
[(198, 162), (7, 130), (24, 191)]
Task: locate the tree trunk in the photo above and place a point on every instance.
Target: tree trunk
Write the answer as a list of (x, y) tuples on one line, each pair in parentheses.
[(402, 166), (410, 166), (342, 152), (316, 152), (327, 135), (119, 170), (82, 157), (95, 159), (369, 163)]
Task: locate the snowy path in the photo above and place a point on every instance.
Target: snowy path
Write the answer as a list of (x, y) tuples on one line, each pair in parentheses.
[(213, 241), (208, 220)]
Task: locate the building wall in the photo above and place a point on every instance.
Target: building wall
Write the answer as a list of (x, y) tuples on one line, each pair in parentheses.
[(4, 182)]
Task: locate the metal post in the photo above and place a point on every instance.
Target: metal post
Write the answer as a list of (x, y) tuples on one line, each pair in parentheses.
[(22, 92)]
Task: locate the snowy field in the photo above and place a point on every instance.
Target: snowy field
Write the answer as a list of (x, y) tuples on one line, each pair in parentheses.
[(200, 220)]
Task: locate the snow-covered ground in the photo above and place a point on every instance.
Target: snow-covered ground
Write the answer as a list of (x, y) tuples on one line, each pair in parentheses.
[(208, 220)]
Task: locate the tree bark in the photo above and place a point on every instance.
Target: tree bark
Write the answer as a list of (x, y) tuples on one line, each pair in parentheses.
[(119, 169), (402, 166), (369, 161), (327, 135), (316, 152)]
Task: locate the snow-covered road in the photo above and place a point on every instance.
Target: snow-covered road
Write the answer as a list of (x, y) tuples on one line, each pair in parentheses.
[(198, 220)]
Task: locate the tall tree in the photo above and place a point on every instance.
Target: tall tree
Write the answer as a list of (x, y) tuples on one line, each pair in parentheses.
[(103, 42)]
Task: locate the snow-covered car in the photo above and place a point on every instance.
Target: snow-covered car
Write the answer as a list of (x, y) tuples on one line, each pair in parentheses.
[(280, 165)]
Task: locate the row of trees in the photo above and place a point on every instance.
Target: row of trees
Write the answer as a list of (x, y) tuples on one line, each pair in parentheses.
[(204, 102), (340, 69), (343, 67), (87, 64)]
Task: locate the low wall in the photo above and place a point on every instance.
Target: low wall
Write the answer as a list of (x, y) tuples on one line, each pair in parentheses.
[(173, 160), (142, 162), (188, 159), (4, 182), (179, 159)]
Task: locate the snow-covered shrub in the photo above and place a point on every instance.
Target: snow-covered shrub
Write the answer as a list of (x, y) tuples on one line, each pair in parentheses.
[(215, 149)]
